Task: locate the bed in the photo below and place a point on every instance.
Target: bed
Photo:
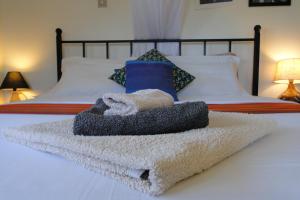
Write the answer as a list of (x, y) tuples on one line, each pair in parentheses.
[(268, 169)]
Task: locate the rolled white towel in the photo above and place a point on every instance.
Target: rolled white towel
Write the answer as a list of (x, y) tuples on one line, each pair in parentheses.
[(130, 104)]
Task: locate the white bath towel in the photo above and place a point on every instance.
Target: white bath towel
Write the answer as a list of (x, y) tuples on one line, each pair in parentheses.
[(167, 159), (130, 104)]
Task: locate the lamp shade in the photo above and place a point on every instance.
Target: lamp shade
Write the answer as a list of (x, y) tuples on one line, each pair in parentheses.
[(288, 70), (14, 80)]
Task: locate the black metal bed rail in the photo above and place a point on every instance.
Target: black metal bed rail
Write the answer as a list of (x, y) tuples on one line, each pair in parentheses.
[(155, 42)]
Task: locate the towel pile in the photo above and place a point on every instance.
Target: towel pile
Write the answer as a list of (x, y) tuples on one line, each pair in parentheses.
[(146, 112), (147, 163), (150, 164)]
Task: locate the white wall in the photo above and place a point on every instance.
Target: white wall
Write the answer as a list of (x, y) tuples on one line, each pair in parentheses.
[(29, 26), (1, 55), (280, 33), (29, 29), (1, 43)]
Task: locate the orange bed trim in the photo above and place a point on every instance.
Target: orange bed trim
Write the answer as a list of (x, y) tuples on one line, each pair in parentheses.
[(72, 109)]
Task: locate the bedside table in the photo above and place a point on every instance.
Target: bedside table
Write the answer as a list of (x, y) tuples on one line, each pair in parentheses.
[(5, 95), (294, 99)]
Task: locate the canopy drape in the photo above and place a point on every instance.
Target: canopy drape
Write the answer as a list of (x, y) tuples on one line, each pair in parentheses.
[(157, 19)]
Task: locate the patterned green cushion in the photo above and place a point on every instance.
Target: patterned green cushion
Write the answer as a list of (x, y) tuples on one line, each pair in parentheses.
[(119, 76), (181, 77)]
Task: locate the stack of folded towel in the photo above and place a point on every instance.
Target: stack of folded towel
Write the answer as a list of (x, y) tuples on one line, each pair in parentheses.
[(146, 112)]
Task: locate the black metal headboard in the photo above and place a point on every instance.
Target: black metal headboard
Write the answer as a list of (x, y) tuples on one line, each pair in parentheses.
[(255, 39)]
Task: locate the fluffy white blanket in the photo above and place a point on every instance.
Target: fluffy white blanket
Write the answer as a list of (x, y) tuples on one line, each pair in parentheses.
[(130, 104), (169, 158)]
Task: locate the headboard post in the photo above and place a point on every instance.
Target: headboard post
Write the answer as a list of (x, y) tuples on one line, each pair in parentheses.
[(59, 52), (256, 57)]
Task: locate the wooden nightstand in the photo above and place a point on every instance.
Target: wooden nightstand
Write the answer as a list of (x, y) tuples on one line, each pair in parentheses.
[(5, 95), (296, 100)]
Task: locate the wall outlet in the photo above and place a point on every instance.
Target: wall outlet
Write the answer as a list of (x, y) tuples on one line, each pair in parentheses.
[(102, 3)]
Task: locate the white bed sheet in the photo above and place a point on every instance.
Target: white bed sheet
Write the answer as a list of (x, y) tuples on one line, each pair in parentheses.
[(268, 169)]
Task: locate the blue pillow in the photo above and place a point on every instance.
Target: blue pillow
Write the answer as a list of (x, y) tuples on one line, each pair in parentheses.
[(141, 75)]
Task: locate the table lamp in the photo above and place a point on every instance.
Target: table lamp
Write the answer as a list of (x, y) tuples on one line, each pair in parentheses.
[(288, 71), (14, 80)]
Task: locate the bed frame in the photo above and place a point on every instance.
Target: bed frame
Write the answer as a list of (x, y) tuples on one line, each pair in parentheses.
[(255, 40)]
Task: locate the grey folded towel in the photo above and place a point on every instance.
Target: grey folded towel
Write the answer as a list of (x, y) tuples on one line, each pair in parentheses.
[(178, 118)]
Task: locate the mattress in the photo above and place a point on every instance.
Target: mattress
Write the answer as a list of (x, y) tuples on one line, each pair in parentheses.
[(268, 169)]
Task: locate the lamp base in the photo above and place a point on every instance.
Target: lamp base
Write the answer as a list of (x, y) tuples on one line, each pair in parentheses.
[(17, 96), (291, 93)]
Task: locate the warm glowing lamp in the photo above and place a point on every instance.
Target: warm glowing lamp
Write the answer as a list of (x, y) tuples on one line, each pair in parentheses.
[(14, 81), (288, 71)]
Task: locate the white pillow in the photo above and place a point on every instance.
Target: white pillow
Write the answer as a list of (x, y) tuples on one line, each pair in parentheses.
[(87, 77), (215, 76)]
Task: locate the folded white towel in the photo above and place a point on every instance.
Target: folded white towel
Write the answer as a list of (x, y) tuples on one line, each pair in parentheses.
[(168, 158), (130, 104)]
